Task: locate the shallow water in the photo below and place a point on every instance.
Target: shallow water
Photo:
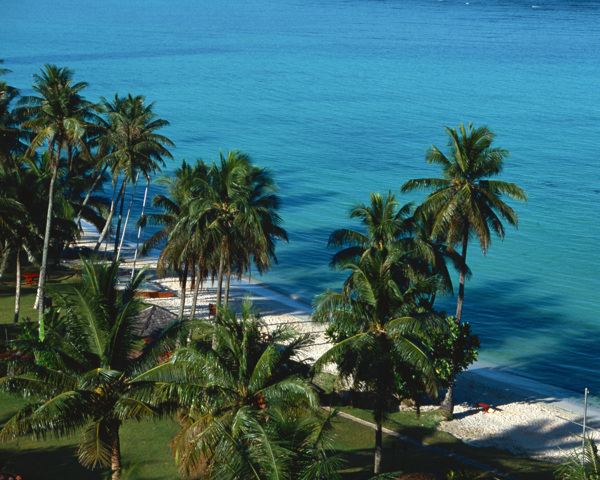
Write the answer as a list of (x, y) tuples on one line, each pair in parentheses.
[(342, 97)]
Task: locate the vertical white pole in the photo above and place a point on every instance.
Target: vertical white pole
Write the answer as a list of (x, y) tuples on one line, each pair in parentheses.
[(137, 245), (585, 404)]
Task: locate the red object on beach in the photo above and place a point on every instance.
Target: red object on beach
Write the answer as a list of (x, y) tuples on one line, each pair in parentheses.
[(31, 278), (485, 407), (212, 310)]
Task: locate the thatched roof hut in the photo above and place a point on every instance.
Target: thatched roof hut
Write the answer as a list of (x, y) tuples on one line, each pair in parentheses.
[(153, 320)]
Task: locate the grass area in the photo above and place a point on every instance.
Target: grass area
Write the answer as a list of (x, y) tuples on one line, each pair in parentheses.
[(58, 276), (146, 445)]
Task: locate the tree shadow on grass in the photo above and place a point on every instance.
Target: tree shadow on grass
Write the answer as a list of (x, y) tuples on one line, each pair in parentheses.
[(398, 456), (503, 453), (41, 463)]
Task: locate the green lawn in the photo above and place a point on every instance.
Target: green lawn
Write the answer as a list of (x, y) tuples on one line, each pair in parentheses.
[(58, 276), (145, 445)]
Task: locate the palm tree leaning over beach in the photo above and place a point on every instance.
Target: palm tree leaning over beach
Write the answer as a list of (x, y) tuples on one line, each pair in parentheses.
[(99, 162), (465, 202), (135, 147), (88, 377), (380, 330), (58, 115)]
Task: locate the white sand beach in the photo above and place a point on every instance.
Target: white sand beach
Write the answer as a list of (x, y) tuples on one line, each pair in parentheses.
[(524, 417)]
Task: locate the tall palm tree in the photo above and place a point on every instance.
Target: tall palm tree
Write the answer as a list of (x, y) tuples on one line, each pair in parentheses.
[(227, 389), (465, 202), (58, 115), (237, 208), (92, 381), (136, 147), (99, 163), (386, 224), (11, 136), (382, 333)]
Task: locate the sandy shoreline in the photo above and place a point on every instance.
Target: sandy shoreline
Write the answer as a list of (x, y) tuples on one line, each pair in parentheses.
[(526, 417)]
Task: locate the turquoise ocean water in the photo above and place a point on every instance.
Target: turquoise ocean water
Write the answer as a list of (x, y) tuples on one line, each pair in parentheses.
[(342, 97)]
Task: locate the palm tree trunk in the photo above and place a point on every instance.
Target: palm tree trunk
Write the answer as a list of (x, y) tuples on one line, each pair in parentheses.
[(109, 218), (115, 456), (183, 284), (89, 194), (448, 402), (220, 279), (137, 245), (377, 467), (127, 217), (4, 262), (18, 286), (195, 297), (42, 277), (227, 284), (463, 273), (118, 233)]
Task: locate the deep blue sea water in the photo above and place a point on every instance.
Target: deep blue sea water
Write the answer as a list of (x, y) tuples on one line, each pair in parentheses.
[(342, 97)]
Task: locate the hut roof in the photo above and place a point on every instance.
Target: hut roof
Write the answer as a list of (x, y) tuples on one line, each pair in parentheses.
[(152, 321)]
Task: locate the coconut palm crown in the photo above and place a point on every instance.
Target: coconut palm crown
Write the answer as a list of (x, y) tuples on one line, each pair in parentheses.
[(227, 391)]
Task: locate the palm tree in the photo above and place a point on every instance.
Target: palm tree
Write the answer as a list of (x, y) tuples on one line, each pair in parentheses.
[(237, 209), (233, 386), (385, 222), (10, 135), (292, 445), (58, 116), (430, 255), (91, 382), (136, 147), (99, 162), (381, 332), (10, 209), (465, 202)]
